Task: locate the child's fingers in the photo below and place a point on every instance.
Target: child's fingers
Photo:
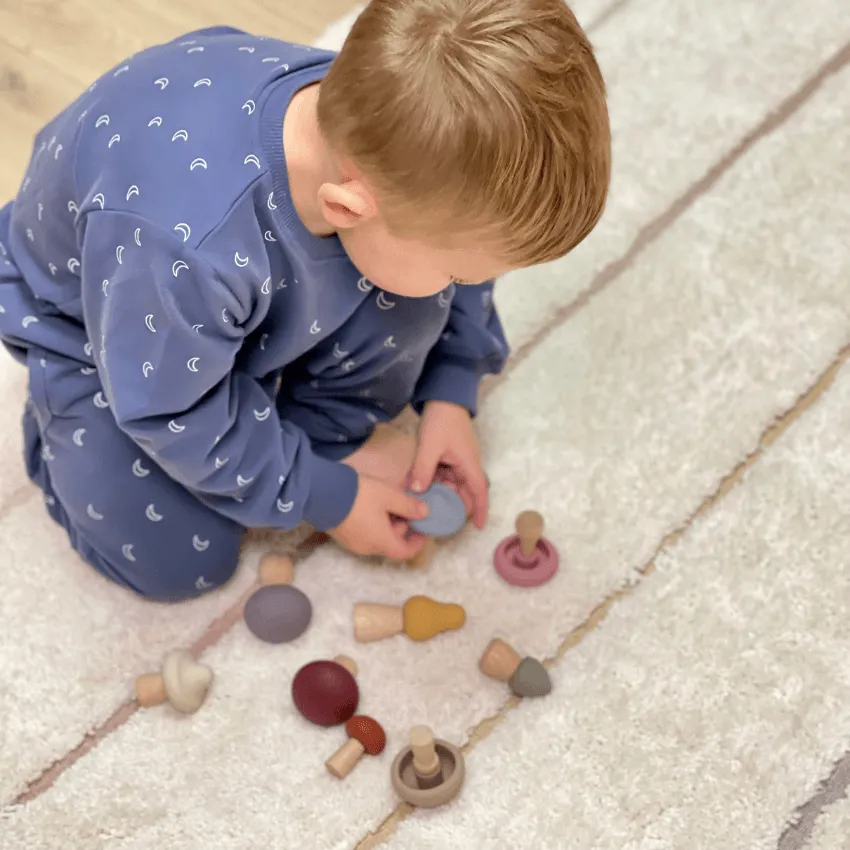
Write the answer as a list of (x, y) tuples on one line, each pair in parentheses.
[(401, 546), (424, 466), (476, 482), (404, 505)]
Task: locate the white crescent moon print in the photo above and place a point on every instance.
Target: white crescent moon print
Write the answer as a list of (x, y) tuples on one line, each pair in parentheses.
[(151, 514)]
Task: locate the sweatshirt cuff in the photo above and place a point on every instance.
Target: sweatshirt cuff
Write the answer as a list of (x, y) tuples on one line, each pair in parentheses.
[(448, 381), (332, 493)]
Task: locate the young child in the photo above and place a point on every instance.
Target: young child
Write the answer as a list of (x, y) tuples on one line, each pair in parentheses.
[(233, 256)]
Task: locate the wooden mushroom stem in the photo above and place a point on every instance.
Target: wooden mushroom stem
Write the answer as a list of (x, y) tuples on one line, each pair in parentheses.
[(276, 569), (376, 621), (424, 556), (342, 762), (150, 690), (426, 762), (499, 660), (349, 663), (529, 529)]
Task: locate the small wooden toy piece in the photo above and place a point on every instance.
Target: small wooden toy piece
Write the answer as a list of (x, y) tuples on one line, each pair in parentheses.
[(349, 663), (325, 692), (276, 569), (183, 682), (446, 511), (420, 618), (526, 559), (429, 772), (526, 677), (425, 555), (365, 735)]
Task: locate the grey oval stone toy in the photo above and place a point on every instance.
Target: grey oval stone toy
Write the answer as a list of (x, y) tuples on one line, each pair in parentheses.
[(447, 513), (278, 613)]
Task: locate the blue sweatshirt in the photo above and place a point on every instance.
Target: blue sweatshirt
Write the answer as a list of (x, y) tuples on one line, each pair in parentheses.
[(155, 216)]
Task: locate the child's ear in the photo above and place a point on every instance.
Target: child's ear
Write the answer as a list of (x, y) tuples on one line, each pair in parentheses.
[(347, 204)]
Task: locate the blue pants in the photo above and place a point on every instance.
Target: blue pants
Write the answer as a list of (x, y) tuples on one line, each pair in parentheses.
[(122, 513)]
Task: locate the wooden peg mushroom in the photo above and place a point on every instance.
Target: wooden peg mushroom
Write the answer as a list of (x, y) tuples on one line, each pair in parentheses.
[(183, 682), (365, 735), (420, 618), (326, 692), (526, 677), (526, 559), (429, 771)]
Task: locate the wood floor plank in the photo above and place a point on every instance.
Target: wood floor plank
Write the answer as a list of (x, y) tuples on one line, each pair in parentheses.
[(51, 49)]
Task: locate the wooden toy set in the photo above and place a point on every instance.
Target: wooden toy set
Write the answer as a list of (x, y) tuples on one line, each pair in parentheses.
[(428, 771)]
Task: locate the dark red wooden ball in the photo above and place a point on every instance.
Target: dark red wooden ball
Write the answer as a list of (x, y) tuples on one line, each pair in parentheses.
[(325, 693)]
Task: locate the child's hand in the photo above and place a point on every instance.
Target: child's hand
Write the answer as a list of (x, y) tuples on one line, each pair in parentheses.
[(447, 438), (378, 522)]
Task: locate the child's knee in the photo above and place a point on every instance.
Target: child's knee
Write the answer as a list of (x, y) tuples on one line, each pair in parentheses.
[(174, 580)]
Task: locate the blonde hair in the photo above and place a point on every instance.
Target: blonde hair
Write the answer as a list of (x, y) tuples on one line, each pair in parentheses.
[(482, 117)]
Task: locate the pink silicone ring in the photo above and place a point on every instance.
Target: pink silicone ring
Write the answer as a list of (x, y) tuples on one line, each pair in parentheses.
[(515, 568)]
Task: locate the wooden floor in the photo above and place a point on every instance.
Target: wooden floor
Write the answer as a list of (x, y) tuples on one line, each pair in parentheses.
[(50, 50)]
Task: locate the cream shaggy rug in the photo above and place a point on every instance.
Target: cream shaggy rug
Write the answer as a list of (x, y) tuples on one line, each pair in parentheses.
[(676, 407)]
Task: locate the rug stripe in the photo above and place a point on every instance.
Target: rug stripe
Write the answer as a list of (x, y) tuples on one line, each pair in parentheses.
[(823, 814), (832, 831)]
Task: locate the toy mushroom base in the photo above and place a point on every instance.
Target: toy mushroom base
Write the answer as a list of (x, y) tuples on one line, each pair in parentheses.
[(517, 569), (404, 781)]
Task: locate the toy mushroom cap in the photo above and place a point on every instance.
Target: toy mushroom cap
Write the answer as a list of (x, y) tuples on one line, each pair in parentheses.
[(369, 732), (186, 682), (325, 693), (530, 679)]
